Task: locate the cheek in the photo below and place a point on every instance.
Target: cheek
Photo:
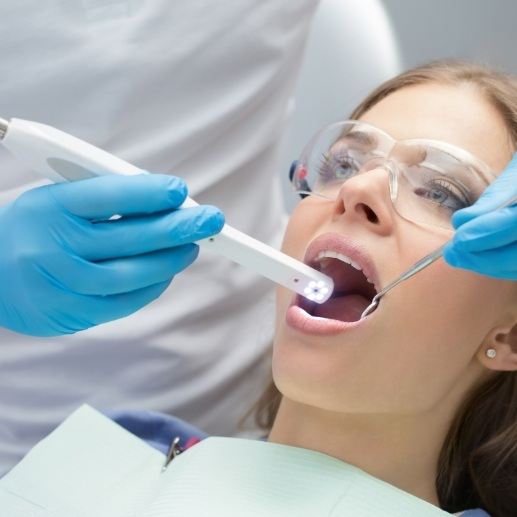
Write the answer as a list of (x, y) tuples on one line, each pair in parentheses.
[(452, 305), (438, 320), (300, 229)]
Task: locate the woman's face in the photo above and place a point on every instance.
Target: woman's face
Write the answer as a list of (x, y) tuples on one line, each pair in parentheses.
[(422, 343)]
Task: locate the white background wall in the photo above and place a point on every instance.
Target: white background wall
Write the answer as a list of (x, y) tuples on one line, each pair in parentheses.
[(468, 29)]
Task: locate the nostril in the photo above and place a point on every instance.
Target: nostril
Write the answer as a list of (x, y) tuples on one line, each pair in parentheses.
[(370, 214)]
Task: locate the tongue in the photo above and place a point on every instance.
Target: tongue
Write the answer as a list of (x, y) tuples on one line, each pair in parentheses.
[(343, 308)]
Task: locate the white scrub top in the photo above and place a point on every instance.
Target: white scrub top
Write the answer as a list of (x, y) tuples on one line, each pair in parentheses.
[(195, 88)]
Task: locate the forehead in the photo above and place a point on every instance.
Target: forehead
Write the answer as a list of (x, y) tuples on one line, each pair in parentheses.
[(459, 115)]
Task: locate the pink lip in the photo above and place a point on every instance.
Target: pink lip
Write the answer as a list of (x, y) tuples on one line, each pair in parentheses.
[(345, 246), (300, 320)]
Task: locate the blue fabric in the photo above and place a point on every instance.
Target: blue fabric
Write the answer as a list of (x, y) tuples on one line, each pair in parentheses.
[(158, 430)]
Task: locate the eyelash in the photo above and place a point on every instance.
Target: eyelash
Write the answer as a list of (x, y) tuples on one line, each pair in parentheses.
[(441, 185), (327, 167)]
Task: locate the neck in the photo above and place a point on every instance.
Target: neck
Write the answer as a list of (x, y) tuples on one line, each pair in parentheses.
[(401, 450)]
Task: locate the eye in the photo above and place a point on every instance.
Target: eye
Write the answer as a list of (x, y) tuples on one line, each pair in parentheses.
[(337, 167), (445, 193)]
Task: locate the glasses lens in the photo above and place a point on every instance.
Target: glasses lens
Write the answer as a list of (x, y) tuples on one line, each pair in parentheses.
[(434, 183), (336, 154)]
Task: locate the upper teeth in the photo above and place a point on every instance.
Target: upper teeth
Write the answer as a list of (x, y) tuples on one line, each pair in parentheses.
[(343, 258)]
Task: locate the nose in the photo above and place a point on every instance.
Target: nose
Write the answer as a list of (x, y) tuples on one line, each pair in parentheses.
[(365, 199)]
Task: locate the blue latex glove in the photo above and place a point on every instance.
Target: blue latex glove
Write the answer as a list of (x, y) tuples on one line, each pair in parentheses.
[(64, 267), (485, 240)]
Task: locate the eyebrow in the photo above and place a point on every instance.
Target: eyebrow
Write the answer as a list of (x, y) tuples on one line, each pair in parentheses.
[(465, 157), (364, 138)]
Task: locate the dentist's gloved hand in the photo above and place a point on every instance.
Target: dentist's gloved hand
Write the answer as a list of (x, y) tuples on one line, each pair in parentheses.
[(64, 267), (485, 241)]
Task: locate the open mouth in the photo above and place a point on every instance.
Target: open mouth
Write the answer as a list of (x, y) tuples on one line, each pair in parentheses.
[(353, 292), (354, 275)]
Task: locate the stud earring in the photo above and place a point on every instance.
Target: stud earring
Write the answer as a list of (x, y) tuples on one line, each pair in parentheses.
[(491, 353)]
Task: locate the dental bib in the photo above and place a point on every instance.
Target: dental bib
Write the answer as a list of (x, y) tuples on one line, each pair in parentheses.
[(90, 466)]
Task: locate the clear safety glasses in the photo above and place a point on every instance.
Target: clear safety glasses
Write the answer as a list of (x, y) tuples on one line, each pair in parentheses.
[(428, 180)]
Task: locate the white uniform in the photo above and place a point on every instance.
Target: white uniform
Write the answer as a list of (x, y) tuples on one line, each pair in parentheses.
[(194, 88), (200, 89)]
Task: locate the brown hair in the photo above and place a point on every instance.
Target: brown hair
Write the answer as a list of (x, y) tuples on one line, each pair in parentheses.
[(477, 465)]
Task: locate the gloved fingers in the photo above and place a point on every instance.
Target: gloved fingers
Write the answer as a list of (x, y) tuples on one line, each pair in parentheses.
[(138, 235), (488, 231), (496, 263), (121, 275), (105, 196), (502, 189)]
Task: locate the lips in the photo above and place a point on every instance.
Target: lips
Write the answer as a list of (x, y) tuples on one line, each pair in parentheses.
[(341, 313)]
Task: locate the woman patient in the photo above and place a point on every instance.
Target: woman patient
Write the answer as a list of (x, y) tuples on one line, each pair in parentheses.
[(422, 393)]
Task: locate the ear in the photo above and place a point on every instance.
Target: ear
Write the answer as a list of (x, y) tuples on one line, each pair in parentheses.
[(504, 341)]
